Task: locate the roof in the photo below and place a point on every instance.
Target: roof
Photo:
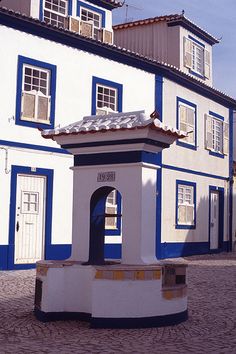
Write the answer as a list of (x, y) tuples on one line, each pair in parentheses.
[(108, 3), (38, 28), (172, 20), (113, 122)]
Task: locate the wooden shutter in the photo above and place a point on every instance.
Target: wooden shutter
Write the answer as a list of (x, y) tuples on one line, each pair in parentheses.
[(28, 105), (107, 36), (183, 118), (74, 25), (226, 138), (43, 108), (187, 53), (207, 64), (86, 29), (208, 132), (181, 214), (190, 214), (190, 125)]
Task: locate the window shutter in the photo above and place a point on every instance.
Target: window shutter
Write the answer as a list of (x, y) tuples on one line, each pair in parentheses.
[(28, 105), (74, 24), (190, 125), (207, 64), (208, 132), (107, 36), (187, 53), (190, 214), (43, 108), (182, 214), (226, 138), (183, 118), (86, 29)]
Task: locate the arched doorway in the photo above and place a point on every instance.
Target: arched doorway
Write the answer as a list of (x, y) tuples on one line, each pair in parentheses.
[(103, 212)]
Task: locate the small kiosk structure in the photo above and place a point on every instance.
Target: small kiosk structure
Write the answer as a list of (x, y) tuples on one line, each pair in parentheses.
[(138, 291)]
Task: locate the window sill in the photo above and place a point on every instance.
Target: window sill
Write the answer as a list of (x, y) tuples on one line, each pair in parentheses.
[(185, 227), (217, 154), (186, 145), (202, 77), (34, 124)]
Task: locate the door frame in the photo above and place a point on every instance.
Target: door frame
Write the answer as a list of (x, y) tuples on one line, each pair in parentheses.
[(15, 171), (220, 191)]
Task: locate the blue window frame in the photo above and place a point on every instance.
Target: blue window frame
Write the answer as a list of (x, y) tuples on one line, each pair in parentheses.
[(107, 96), (36, 93), (113, 231), (186, 117), (216, 135), (81, 5), (185, 216)]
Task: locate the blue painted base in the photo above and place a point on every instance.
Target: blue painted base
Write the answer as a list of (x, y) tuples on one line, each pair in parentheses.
[(144, 322), (55, 252), (112, 251)]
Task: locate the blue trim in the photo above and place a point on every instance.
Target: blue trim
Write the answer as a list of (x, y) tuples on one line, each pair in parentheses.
[(41, 9), (198, 173), (3, 257), (92, 8), (159, 82), (112, 251), (33, 147), (231, 181), (184, 249), (214, 153), (191, 184), (197, 74), (58, 252), (196, 41), (53, 70), (103, 82), (117, 231), (185, 144), (104, 4), (15, 170), (221, 215)]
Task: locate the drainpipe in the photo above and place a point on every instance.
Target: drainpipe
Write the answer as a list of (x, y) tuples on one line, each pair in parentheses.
[(6, 159)]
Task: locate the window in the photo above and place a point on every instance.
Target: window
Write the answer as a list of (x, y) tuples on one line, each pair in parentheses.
[(111, 208), (96, 19), (35, 93), (186, 121), (216, 134), (55, 12), (196, 57), (185, 204), (107, 97)]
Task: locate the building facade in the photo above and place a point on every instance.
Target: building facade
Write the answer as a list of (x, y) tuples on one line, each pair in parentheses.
[(54, 74)]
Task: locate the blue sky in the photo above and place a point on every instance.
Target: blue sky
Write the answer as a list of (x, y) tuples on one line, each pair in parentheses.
[(218, 17)]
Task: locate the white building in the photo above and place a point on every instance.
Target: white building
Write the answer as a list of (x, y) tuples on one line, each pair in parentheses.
[(58, 66)]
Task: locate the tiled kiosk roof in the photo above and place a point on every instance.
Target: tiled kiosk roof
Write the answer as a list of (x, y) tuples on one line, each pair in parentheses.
[(113, 122), (171, 20)]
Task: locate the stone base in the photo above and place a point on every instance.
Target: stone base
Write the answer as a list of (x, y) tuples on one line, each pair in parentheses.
[(111, 296)]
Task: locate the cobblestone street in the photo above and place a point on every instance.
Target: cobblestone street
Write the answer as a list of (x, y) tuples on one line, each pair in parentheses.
[(211, 327)]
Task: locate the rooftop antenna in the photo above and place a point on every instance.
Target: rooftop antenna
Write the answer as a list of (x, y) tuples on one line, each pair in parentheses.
[(127, 7)]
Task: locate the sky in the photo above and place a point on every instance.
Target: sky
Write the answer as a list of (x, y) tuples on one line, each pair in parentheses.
[(217, 17)]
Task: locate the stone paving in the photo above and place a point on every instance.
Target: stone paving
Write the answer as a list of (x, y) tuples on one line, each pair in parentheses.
[(211, 327)]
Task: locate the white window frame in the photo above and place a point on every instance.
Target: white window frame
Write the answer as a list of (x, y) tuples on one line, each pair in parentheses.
[(60, 20), (197, 58), (189, 128), (186, 203), (97, 30), (36, 93), (106, 107), (217, 143)]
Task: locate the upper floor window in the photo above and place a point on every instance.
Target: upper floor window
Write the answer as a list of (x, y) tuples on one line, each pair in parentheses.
[(185, 204), (107, 97), (216, 134), (35, 93), (196, 57), (55, 12), (95, 19), (186, 121)]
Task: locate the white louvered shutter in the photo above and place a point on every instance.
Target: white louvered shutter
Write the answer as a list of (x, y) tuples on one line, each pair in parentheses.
[(107, 36), (226, 138), (207, 64), (182, 214), (28, 105), (208, 132), (190, 125), (187, 53), (190, 214), (86, 29), (43, 107), (74, 24)]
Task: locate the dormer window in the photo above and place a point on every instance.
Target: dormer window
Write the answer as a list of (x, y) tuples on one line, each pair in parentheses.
[(95, 19), (196, 57), (55, 12)]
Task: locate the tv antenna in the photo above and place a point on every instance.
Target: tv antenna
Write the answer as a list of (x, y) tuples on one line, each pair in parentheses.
[(127, 8)]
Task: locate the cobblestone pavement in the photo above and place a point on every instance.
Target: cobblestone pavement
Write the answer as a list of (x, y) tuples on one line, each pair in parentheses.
[(211, 327)]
